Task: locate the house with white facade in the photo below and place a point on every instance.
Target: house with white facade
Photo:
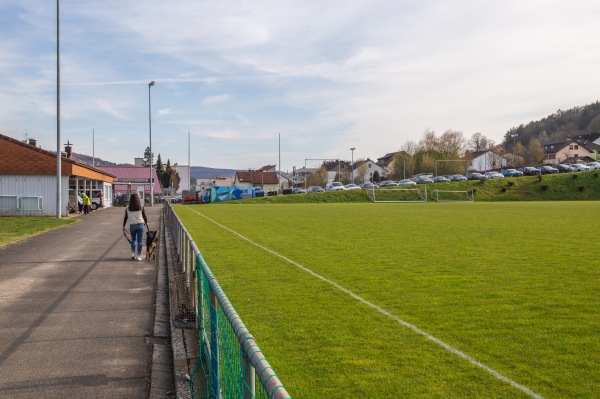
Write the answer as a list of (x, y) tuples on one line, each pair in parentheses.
[(486, 160), (368, 167)]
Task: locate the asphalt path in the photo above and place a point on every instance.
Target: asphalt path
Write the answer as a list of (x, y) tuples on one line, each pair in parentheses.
[(76, 312)]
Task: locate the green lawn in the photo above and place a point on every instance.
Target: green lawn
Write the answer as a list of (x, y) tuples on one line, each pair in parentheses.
[(513, 285), (16, 228)]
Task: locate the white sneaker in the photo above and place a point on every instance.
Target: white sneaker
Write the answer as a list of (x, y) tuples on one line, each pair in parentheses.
[(139, 257), (133, 255)]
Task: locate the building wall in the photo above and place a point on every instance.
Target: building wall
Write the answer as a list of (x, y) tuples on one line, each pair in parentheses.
[(34, 186)]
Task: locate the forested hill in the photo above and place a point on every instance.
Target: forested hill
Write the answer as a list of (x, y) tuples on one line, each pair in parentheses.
[(559, 126)]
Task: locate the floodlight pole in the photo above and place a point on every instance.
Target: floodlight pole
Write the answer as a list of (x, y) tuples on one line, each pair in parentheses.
[(150, 156), (352, 164), (58, 149)]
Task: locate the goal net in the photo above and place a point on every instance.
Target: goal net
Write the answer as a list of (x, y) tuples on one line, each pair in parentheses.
[(453, 196), (398, 194)]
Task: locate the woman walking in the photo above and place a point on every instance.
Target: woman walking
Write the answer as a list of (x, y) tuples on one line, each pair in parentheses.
[(137, 219)]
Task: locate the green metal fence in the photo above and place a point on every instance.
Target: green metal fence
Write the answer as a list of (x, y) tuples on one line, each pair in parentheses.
[(230, 363)]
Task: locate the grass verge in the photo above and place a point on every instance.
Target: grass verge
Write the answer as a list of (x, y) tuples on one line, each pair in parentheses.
[(13, 229)]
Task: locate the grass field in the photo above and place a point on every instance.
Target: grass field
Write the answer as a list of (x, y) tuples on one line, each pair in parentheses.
[(13, 229), (435, 300)]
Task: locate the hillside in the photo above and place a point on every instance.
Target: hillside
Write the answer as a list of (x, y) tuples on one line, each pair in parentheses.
[(559, 126)]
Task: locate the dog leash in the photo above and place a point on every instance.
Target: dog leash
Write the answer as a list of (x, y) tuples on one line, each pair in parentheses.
[(125, 234)]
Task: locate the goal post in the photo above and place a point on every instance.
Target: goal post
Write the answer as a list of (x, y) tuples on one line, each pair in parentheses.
[(453, 195), (398, 194)]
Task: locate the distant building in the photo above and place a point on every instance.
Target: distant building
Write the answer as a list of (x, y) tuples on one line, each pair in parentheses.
[(267, 180)]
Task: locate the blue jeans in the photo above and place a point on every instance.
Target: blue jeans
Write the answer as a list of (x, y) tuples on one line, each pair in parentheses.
[(137, 233)]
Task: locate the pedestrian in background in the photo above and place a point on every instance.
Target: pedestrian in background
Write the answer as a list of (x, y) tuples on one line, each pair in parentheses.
[(137, 219), (86, 203), (79, 204)]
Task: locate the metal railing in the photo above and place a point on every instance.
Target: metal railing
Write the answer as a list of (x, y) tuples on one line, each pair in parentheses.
[(230, 363)]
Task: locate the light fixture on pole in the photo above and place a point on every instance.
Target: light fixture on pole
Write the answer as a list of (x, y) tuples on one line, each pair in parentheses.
[(514, 136), (150, 155), (352, 164)]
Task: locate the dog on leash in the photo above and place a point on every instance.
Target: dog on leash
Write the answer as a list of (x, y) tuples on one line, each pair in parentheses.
[(151, 243)]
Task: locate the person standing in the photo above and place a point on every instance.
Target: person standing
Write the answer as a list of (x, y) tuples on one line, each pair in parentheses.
[(101, 197), (137, 219), (86, 203), (79, 204)]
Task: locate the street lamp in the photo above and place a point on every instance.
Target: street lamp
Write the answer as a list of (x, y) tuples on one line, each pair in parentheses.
[(352, 164), (150, 156), (514, 136)]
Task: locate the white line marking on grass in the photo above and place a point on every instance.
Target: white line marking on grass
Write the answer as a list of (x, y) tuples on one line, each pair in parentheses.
[(386, 313)]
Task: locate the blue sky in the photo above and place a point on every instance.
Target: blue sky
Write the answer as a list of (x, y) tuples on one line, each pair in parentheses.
[(326, 75)]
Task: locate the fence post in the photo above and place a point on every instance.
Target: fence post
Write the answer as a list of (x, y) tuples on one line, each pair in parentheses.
[(249, 376), (214, 346)]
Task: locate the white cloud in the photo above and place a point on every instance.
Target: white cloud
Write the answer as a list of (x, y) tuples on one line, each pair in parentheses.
[(216, 99)]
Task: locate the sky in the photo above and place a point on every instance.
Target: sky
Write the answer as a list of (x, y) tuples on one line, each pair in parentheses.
[(253, 82)]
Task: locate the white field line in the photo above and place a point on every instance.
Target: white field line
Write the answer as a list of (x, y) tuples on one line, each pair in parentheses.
[(386, 313)]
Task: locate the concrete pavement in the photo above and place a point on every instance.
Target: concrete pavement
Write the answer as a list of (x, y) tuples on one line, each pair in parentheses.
[(77, 315)]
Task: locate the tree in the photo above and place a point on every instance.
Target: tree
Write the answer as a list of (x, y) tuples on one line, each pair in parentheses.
[(361, 172), (478, 142), (165, 178), (376, 177), (174, 180), (160, 168), (147, 158), (535, 152), (317, 178)]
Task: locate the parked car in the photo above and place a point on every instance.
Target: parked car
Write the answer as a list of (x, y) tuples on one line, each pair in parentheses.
[(387, 183), (511, 173), (176, 199), (594, 165), (457, 178), (334, 186), (259, 192), (406, 182), (547, 170), (422, 180), (298, 190), (493, 175), (578, 167), (351, 186), (530, 171), (316, 189), (563, 168), (475, 176), (441, 179), (368, 185)]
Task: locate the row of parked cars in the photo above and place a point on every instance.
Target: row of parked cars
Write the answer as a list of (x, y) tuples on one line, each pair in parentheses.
[(535, 171), (427, 179)]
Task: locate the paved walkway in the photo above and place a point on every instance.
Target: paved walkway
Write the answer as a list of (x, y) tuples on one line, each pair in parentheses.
[(77, 315)]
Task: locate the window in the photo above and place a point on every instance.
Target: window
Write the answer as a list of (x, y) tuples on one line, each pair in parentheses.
[(571, 147), (576, 147)]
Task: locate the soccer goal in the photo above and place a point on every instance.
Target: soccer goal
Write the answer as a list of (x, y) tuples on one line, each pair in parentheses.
[(453, 196), (398, 194)]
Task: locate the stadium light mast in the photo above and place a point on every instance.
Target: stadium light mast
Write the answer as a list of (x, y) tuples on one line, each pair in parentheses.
[(352, 164), (150, 156), (58, 149)]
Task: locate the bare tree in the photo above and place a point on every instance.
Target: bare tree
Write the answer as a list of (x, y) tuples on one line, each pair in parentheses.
[(535, 152), (361, 172), (478, 142)]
